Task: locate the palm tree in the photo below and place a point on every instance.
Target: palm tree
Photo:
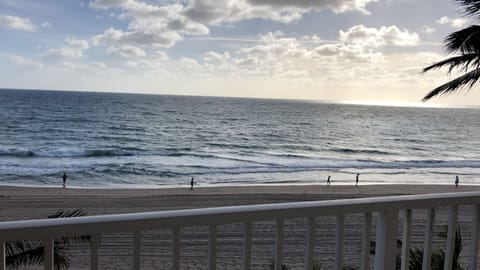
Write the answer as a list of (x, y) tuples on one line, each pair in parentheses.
[(21, 254), (465, 45)]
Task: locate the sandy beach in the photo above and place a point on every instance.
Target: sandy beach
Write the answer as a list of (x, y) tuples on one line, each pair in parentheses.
[(28, 203)]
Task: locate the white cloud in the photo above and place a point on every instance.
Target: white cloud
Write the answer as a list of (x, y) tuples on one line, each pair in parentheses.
[(24, 61), (162, 25), (373, 37), (74, 50), (127, 51), (335, 5), (46, 24), (428, 30), (459, 22), (137, 38), (216, 57), (17, 23)]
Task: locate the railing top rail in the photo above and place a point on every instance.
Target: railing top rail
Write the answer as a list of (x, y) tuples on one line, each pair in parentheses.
[(41, 228)]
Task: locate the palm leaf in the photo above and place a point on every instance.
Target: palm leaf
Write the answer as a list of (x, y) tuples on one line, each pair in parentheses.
[(463, 62), (470, 7), (20, 254), (467, 80), (464, 41)]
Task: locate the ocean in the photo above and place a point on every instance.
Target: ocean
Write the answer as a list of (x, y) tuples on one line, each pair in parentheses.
[(107, 140)]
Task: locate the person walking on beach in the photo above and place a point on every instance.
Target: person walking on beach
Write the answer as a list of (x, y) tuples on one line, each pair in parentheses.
[(356, 180), (64, 180), (191, 184), (328, 181), (457, 181)]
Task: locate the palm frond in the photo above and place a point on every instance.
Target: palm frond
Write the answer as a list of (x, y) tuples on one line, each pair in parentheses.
[(72, 240), (470, 7), (467, 80), (24, 253), (462, 62), (464, 41), (35, 256)]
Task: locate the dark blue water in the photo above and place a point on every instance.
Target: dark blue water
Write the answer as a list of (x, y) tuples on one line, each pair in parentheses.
[(110, 140)]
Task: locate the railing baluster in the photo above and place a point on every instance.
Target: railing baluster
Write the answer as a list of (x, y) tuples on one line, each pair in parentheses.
[(407, 228), (212, 255), (427, 245), (136, 250), (475, 236), (2, 255), (367, 227), (452, 229), (176, 249), (279, 244), (94, 243), (339, 242), (386, 240), (247, 245), (310, 248), (48, 252)]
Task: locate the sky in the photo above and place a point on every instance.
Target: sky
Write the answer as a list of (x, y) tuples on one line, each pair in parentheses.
[(360, 51)]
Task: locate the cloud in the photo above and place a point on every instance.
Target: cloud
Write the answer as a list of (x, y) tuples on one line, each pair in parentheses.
[(46, 24), (452, 22), (162, 25), (17, 23), (24, 61), (215, 12), (428, 30), (74, 50), (373, 37), (139, 38), (127, 51), (335, 5)]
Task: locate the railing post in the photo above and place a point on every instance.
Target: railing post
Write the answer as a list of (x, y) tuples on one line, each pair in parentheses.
[(427, 245), (475, 236), (310, 241), (452, 230), (176, 249), (386, 240), (339, 242), (407, 228), (279, 245), (3, 256), (48, 253), (94, 243), (247, 245), (212, 254), (367, 227)]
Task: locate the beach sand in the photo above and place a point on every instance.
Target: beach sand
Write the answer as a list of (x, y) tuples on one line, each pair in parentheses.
[(29, 203)]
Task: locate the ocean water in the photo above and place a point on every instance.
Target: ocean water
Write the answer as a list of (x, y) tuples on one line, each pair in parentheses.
[(105, 140)]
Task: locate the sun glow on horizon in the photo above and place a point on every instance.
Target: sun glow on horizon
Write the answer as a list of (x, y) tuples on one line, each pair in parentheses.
[(395, 104)]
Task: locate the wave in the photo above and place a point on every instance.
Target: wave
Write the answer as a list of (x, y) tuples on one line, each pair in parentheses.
[(361, 151), (70, 153)]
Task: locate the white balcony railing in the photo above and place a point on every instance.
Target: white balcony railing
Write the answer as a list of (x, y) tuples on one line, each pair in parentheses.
[(386, 210)]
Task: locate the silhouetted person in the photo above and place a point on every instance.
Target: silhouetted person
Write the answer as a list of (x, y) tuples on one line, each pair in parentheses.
[(64, 180), (328, 181), (191, 184), (457, 181), (356, 179)]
